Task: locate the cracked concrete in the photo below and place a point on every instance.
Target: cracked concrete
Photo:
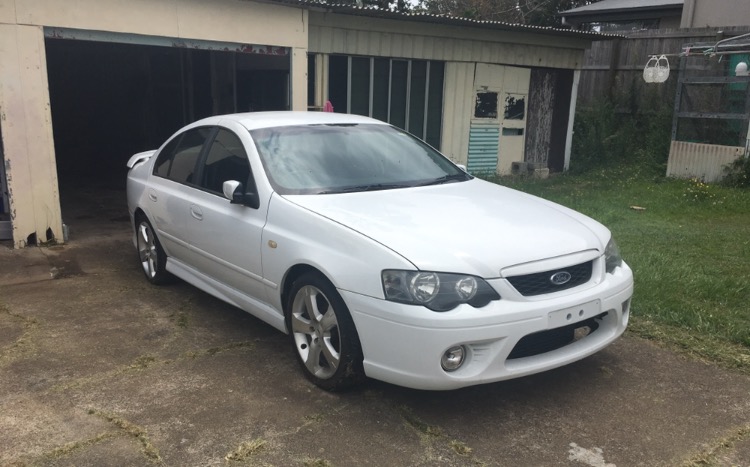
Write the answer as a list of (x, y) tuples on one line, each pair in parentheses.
[(97, 367)]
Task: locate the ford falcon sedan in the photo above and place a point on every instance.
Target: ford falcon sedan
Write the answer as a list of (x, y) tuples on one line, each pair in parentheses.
[(379, 256)]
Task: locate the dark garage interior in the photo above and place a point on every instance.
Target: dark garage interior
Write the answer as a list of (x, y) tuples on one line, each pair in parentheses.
[(112, 100)]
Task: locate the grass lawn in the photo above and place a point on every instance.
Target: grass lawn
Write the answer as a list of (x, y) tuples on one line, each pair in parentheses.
[(689, 249)]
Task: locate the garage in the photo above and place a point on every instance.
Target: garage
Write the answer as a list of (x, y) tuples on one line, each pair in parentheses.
[(111, 99), (85, 87)]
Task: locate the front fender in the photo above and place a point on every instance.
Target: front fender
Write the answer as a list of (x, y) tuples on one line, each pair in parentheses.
[(294, 235)]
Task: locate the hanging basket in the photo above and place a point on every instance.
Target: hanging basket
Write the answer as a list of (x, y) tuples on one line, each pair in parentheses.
[(649, 71), (661, 70)]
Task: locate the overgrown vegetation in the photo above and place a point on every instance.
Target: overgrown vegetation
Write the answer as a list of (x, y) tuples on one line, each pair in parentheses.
[(688, 242), (633, 128), (738, 174)]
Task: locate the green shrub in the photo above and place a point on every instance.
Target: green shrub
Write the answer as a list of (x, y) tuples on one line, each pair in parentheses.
[(623, 131), (738, 173)]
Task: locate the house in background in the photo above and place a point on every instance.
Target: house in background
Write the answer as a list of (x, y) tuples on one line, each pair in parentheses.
[(637, 15), (84, 87), (715, 13), (626, 15)]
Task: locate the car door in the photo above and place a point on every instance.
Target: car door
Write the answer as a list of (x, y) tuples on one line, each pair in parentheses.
[(226, 236), (172, 180)]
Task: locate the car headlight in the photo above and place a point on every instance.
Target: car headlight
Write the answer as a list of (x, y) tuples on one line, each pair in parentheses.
[(436, 290), (612, 256)]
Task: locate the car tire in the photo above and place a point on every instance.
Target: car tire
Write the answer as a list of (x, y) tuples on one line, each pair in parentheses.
[(150, 253), (325, 340)]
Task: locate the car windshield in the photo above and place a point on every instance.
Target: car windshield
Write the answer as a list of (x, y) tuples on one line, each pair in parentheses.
[(341, 158)]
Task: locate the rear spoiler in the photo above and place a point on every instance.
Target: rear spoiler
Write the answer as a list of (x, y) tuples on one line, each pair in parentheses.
[(140, 157)]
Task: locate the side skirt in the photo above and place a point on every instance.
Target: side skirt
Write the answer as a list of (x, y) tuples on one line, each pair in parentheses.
[(259, 309)]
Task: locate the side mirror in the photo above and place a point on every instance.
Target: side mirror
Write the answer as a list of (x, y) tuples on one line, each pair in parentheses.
[(462, 167), (232, 191), (235, 193)]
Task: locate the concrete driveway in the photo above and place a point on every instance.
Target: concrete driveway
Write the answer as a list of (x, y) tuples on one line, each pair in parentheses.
[(97, 367)]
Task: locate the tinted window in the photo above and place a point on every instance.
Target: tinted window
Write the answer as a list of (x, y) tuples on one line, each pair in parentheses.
[(226, 160), (360, 92), (435, 104), (338, 82), (178, 159), (417, 98), (164, 161), (399, 78), (380, 89)]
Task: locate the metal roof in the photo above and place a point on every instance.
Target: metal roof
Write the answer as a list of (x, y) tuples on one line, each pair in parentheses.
[(620, 6), (374, 12)]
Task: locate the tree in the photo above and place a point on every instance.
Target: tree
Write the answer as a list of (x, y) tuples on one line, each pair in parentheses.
[(530, 12), (391, 5)]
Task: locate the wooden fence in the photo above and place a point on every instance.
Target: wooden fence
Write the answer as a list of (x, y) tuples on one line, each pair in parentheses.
[(614, 68)]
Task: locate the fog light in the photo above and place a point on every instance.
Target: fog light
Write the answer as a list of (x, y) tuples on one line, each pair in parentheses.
[(453, 358)]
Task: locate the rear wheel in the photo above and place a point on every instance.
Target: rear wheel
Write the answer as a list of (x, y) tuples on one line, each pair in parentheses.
[(325, 339), (150, 253)]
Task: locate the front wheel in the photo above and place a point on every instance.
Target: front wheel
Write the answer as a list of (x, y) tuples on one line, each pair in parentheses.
[(150, 253), (325, 339)]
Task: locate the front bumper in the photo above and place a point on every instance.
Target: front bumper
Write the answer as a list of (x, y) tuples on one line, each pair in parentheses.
[(403, 344)]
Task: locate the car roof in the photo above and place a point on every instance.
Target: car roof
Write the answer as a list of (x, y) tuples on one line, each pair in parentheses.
[(253, 120)]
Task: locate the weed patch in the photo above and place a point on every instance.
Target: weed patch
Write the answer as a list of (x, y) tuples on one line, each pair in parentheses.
[(246, 450), (76, 446), (29, 327), (148, 449), (316, 463), (217, 350), (737, 174), (415, 422), (460, 448), (712, 454)]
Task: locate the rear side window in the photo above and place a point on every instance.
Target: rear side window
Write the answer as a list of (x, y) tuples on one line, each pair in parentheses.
[(177, 161), (226, 160)]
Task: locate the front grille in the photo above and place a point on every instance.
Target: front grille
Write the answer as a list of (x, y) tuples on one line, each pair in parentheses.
[(553, 339), (541, 283)]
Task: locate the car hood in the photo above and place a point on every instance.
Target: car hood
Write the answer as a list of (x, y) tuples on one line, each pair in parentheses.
[(473, 227)]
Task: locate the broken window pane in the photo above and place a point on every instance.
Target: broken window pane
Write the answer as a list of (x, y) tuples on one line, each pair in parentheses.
[(514, 107), (486, 105)]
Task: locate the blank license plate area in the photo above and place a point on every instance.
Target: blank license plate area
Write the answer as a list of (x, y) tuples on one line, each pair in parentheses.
[(574, 314)]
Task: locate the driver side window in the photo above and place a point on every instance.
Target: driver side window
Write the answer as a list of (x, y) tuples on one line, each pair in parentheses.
[(226, 160)]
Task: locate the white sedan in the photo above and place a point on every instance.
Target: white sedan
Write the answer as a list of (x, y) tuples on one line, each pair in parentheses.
[(378, 255)]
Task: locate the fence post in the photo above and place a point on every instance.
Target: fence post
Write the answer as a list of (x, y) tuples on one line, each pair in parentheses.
[(614, 62)]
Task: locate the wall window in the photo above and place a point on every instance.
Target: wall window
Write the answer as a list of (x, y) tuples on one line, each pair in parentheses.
[(515, 107), (405, 93), (486, 105)]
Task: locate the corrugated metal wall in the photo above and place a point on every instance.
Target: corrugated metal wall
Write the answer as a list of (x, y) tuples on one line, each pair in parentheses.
[(703, 161), (343, 34), (458, 106), (374, 43)]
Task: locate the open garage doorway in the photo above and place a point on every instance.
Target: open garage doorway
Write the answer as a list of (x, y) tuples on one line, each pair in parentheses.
[(110, 100)]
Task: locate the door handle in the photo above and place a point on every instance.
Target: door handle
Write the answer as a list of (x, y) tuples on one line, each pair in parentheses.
[(196, 212), (152, 195)]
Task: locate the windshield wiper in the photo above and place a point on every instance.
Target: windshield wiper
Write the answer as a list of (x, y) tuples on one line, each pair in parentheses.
[(446, 179), (370, 187)]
